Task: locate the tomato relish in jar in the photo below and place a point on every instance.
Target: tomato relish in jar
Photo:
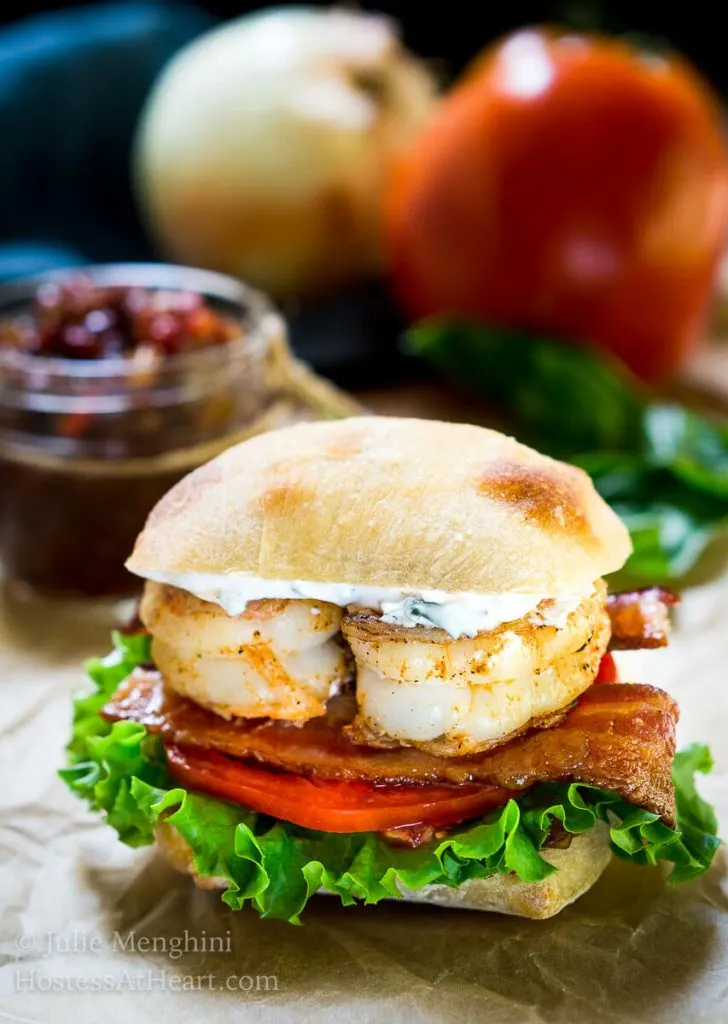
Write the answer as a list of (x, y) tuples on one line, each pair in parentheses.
[(114, 383)]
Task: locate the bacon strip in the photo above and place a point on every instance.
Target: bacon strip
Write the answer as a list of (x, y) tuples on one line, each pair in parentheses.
[(618, 736), (640, 618)]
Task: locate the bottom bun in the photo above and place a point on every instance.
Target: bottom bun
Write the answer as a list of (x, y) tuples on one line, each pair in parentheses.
[(579, 867)]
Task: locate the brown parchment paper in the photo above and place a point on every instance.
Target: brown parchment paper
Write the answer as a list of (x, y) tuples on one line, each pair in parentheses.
[(93, 933)]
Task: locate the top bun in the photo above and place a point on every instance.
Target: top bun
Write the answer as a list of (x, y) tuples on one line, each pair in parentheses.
[(387, 502)]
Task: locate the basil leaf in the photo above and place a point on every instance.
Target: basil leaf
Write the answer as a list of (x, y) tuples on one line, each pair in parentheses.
[(558, 393), (689, 446)]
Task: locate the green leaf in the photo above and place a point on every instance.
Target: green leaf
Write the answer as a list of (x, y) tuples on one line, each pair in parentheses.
[(663, 468), (275, 866), (558, 393), (689, 446), (691, 806), (106, 673), (667, 541)]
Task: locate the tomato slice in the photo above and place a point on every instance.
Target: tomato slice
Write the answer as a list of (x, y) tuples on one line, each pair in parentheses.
[(607, 672), (327, 805)]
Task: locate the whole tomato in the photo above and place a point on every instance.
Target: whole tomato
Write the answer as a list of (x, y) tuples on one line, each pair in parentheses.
[(570, 185)]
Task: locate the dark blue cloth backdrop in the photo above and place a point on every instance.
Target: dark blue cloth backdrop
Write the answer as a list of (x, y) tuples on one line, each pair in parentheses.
[(71, 87)]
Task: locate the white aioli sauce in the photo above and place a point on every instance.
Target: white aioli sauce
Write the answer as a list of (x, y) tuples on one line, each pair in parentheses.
[(459, 614)]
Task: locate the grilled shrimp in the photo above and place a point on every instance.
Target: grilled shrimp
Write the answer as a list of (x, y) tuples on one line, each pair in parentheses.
[(455, 697), (279, 659)]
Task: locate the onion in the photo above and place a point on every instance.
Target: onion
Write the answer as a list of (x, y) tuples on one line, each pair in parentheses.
[(264, 146)]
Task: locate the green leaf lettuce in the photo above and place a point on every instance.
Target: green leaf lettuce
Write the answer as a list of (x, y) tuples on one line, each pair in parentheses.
[(120, 770)]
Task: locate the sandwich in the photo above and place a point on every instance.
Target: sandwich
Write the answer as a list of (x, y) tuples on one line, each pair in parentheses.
[(374, 659)]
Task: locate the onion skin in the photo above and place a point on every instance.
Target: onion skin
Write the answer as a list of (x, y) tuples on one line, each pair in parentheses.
[(265, 145)]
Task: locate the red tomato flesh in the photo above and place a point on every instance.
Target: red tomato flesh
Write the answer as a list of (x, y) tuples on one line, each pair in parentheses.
[(569, 186), (607, 670), (326, 805)]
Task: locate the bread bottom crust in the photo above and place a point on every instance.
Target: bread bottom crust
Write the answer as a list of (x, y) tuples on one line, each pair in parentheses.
[(579, 867)]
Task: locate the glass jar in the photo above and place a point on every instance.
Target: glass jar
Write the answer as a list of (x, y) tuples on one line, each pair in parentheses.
[(87, 447)]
